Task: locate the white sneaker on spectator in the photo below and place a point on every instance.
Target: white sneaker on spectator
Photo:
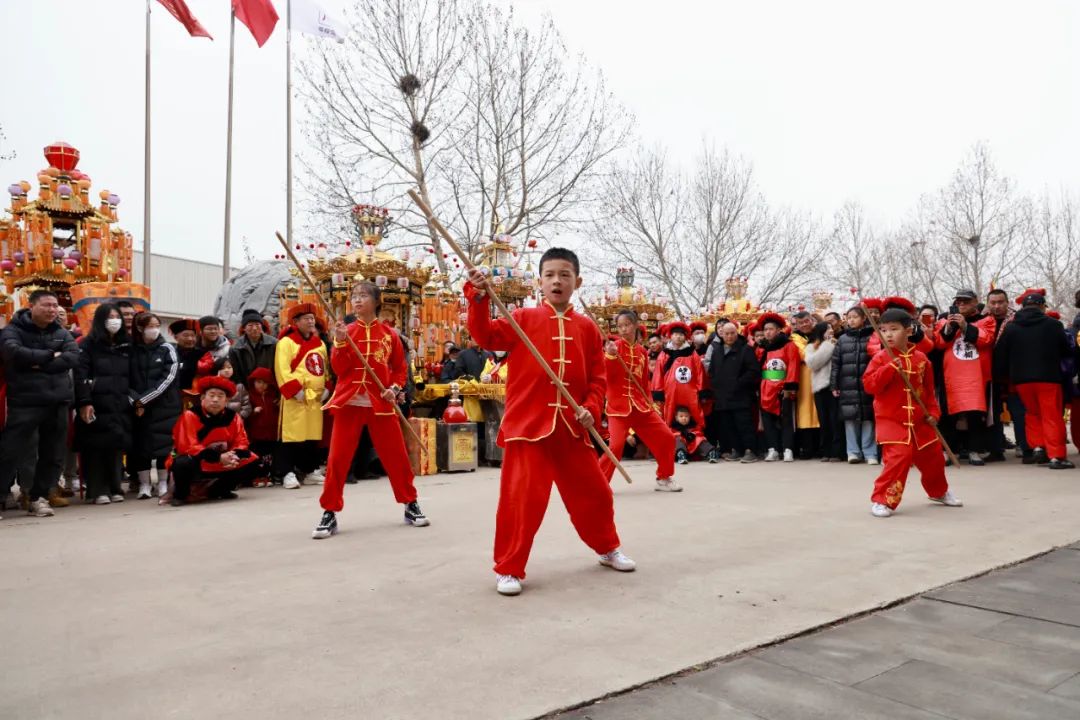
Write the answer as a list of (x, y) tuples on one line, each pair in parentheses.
[(789, 455), (315, 477), (290, 482), (507, 585), (41, 508), (873, 461), (144, 485), (102, 500), (117, 498), (853, 459), (772, 455), (162, 487), (879, 510), (948, 499), (617, 561)]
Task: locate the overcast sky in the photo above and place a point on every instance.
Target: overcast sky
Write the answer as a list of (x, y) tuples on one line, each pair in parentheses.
[(831, 100)]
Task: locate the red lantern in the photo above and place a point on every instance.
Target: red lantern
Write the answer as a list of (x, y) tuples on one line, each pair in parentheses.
[(62, 156), (532, 243)]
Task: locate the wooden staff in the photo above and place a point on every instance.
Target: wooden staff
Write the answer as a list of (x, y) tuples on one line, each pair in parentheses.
[(903, 376), (352, 343), (647, 396), (433, 221)]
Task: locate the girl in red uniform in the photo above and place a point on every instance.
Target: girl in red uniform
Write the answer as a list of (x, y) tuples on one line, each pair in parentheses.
[(544, 442), (629, 409), (906, 436)]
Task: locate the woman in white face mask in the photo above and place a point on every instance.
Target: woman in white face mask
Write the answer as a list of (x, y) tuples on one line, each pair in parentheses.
[(155, 393), (102, 398)]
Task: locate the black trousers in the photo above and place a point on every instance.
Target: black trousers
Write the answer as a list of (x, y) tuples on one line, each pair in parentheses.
[(187, 470), (703, 449), (102, 471), (833, 440), (138, 463), (972, 440), (32, 446), (299, 456), (780, 429), (736, 430)]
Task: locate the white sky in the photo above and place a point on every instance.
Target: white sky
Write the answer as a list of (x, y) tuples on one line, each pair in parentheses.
[(831, 100)]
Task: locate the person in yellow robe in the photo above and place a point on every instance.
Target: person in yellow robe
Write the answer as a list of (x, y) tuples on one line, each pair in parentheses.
[(806, 417), (300, 364)]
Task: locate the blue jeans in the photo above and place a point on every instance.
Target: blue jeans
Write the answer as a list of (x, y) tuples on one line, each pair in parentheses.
[(860, 439)]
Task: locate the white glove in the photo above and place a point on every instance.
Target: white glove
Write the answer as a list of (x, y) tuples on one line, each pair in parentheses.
[(299, 397), (325, 395)]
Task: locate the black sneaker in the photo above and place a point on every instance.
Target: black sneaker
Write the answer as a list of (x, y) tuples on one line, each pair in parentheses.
[(714, 456), (415, 516), (1028, 459), (996, 457), (326, 527), (681, 457), (1041, 458), (1060, 464), (749, 457)]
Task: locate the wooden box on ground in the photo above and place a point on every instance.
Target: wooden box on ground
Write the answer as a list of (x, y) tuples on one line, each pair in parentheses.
[(457, 450)]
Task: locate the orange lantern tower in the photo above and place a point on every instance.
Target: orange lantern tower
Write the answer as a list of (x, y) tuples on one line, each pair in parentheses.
[(650, 309), (63, 242)]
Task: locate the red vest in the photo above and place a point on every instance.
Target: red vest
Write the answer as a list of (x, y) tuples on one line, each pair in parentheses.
[(966, 365), (779, 372)]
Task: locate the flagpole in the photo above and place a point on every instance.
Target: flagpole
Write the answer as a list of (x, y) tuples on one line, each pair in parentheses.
[(146, 160), (228, 148), (288, 123)]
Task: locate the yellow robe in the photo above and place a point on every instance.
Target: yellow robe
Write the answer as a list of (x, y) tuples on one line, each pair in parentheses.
[(805, 409), (301, 420)]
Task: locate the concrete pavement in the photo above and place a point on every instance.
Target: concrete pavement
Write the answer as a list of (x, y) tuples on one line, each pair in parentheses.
[(231, 610)]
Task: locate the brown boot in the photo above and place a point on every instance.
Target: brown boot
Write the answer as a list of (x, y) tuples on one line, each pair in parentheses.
[(56, 498)]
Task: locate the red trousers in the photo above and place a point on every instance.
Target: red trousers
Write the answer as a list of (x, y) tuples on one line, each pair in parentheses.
[(525, 489), (349, 422), (652, 431), (897, 459), (1074, 421), (1044, 419)]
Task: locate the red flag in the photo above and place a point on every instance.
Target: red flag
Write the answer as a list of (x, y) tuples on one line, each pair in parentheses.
[(259, 16), (179, 10)]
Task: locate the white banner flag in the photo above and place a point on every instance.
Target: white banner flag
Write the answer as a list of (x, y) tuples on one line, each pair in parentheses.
[(310, 18)]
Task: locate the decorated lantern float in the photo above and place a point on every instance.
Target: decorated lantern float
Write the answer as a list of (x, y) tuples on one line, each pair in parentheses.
[(651, 310), (735, 307), (62, 242)]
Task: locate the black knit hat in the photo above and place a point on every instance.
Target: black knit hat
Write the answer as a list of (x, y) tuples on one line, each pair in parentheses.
[(250, 316)]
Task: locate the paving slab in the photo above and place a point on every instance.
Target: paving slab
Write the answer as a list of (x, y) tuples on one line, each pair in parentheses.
[(945, 617), (230, 610), (1038, 634), (963, 696), (663, 701), (1068, 689)]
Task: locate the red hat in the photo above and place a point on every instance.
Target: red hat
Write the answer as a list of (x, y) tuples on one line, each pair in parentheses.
[(1030, 291), (749, 329), (680, 326), (699, 325), (874, 304), (899, 303), (1054, 314), (771, 317), (211, 382), (178, 326), (261, 373), (664, 329), (301, 309)]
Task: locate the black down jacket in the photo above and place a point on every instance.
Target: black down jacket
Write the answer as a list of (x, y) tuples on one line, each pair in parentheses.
[(848, 365), (735, 376), (35, 375), (155, 388), (102, 379), (1032, 347)]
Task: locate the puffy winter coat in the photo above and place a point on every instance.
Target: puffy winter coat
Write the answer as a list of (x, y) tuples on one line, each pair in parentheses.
[(34, 374), (245, 357), (848, 365), (734, 377), (819, 360), (155, 387), (1032, 347), (103, 379)]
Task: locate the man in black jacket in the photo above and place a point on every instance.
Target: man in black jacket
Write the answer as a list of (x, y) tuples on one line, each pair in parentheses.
[(38, 356), (471, 361), (734, 375), (254, 348), (1030, 351)]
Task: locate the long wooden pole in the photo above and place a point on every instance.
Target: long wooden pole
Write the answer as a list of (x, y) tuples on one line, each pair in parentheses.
[(352, 343), (903, 376), (433, 221)]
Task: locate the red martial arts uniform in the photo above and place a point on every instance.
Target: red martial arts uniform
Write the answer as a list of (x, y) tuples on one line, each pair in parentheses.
[(356, 403), (628, 408), (678, 380), (905, 437), (543, 440), (195, 431)]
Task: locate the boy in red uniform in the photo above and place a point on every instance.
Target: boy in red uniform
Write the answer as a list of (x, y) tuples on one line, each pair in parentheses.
[(543, 441), (679, 377), (210, 442), (780, 361), (628, 409), (689, 439), (906, 436), (357, 403)]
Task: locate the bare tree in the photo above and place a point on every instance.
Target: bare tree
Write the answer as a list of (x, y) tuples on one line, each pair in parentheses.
[(792, 260), (1051, 230)]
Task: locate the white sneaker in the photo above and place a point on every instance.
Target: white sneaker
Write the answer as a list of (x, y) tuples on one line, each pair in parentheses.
[(102, 500), (667, 485), (117, 498), (873, 461), (41, 508), (507, 585), (290, 482), (617, 561), (789, 455), (948, 499), (315, 477), (853, 460), (144, 490), (879, 510), (772, 455), (162, 488)]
